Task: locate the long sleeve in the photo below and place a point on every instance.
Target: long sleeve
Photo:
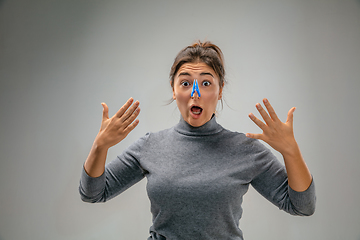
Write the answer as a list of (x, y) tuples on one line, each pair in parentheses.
[(119, 175), (196, 180), (272, 183)]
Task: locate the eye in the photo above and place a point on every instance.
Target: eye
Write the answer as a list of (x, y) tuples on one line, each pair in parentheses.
[(185, 84), (206, 83)]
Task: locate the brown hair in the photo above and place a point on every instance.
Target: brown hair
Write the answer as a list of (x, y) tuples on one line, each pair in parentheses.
[(205, 52)]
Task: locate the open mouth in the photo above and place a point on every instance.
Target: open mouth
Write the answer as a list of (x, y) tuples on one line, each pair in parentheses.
[(196, 110)]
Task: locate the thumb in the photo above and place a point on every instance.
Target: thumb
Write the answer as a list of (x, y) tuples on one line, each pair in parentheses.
[(105, 111), (290, 116), (254, 136)]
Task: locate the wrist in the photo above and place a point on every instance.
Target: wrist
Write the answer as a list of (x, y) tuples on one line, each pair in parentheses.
[(95, 163), (99, 145), (291, 151)]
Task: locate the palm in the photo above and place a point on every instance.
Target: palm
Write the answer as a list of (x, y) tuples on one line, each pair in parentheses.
[(277, 134), (115, 129)]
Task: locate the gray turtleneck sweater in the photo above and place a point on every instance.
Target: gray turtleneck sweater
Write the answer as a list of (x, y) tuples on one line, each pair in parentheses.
[(196, 179)]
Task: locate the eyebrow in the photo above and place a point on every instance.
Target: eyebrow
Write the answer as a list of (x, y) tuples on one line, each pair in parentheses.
[(201, 74), (206, 73)]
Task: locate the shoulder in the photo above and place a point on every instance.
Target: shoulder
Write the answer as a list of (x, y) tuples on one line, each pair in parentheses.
[(151, 138), (240, 142), (237, 137), (159, 134)]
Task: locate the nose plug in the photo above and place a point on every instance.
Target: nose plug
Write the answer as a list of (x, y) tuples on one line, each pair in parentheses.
[(195, 89)]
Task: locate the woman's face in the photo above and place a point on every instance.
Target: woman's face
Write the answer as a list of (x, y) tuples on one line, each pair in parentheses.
[(196, 111)]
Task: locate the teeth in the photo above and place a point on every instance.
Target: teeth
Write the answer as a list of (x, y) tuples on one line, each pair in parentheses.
[(196, 110)]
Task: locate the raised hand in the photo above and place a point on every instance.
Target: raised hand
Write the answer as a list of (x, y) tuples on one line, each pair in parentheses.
[(115, 129), (280, 136), (112, 131), (277, 134)]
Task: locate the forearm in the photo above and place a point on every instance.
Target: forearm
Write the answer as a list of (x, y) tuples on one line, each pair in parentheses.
[(95, 162), (299, 176)]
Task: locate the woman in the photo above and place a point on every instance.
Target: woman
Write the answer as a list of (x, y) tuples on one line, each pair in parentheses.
[(197, 172)]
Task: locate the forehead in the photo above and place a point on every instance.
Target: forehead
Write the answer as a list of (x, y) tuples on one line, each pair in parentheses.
[(195, 68)]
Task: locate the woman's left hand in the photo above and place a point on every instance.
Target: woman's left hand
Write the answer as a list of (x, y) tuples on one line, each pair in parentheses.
[(280, 136), (277, 134)]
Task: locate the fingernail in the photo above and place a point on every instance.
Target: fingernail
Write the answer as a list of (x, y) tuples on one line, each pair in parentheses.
[(265, 100)]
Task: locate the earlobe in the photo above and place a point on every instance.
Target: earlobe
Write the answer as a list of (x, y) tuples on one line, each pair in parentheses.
[(220, 94)]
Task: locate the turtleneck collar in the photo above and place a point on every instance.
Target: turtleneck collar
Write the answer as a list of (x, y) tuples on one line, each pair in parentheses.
[(209, 128)]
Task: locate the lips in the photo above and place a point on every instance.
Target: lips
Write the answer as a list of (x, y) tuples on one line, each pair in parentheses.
[(196, 110)]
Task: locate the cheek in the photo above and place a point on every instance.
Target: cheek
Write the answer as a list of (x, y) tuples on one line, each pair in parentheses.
[(180, 97), (212, 96), (211, 100)]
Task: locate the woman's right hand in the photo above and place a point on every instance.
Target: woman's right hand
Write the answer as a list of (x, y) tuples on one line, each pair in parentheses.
[(113, 130)]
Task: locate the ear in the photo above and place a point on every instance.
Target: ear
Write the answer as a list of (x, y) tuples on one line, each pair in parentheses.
[(174, 97), (220, 91)]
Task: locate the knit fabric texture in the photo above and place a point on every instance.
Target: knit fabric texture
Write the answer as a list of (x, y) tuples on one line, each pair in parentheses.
[(196, 180)]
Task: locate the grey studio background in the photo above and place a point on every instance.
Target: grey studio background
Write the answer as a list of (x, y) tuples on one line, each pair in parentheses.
[(60, 59)]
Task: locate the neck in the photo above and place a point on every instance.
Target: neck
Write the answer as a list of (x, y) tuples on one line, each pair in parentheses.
[(209, 128)]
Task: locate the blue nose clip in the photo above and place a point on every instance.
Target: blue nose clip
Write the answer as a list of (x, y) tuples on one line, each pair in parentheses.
[(195, 89)]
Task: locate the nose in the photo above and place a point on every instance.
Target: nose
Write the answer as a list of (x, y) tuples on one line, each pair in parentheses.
[(195, 89)]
